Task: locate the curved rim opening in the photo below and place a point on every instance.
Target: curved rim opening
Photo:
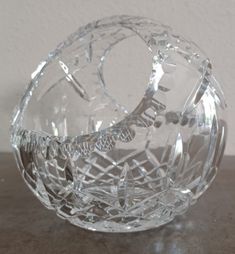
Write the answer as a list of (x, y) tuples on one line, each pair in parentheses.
[(129, 23)]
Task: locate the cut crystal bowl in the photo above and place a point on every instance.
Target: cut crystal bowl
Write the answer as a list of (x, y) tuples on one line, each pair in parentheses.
[(122, 157)]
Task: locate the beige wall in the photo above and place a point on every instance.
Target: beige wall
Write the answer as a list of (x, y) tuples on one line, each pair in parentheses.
[(31, 28)]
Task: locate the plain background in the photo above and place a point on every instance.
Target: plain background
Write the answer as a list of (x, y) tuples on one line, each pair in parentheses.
[(29, 29)]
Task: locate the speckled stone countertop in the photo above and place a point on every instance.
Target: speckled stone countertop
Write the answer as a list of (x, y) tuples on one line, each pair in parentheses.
[(27, 227)]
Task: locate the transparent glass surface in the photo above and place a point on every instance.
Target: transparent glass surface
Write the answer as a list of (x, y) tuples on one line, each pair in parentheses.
[(114, 152)]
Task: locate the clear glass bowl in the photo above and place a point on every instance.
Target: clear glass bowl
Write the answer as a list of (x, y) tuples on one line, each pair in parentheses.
[(120, 159)]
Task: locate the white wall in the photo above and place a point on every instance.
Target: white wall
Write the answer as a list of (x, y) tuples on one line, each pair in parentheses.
[(31, 28)]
